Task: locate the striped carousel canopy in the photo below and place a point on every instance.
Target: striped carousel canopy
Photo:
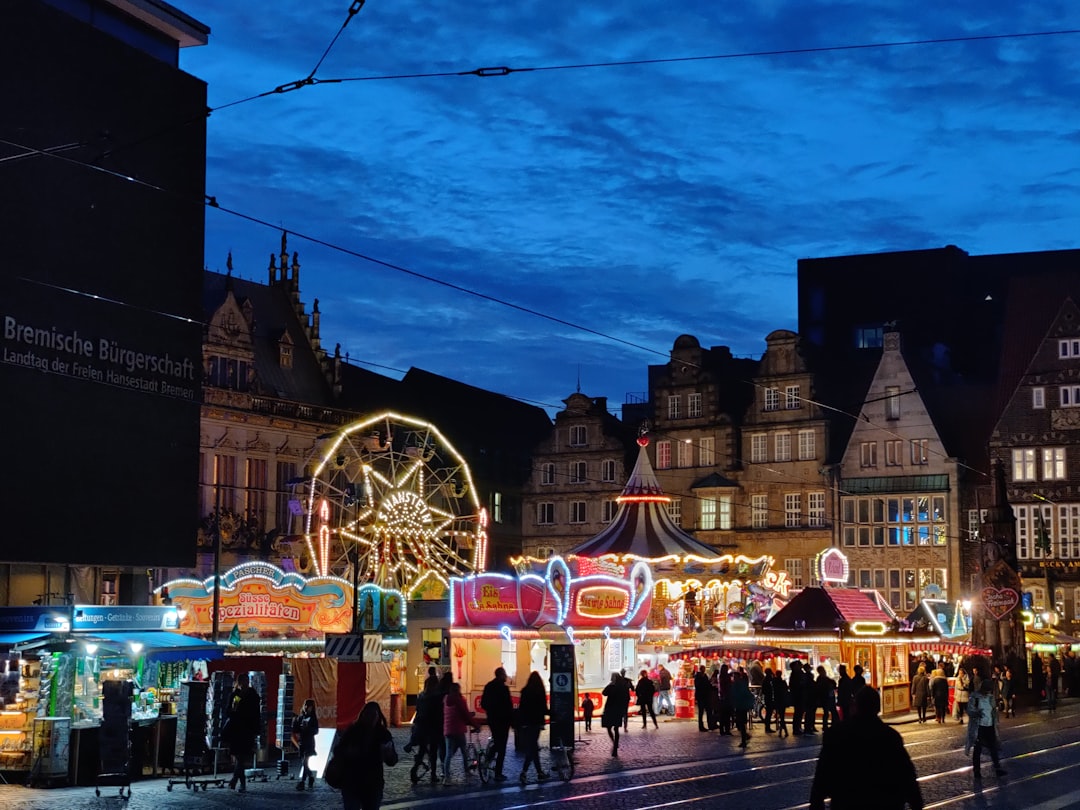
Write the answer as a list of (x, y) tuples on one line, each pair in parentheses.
[(642, 528)]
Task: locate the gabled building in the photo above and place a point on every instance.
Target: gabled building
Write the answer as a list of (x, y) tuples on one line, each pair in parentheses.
[(785, 506), (1037, 439), (899, 502), (578, 471)]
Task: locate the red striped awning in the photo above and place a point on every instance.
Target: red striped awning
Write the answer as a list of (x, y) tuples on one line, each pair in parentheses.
[(950, 648)]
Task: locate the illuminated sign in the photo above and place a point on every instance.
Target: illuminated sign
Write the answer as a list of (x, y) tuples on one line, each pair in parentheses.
[(778, 582), (832, 566), (600, 602), (869, 628), (999, 602)]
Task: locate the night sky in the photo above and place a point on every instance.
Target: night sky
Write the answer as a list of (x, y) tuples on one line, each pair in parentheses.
[(637, 201)]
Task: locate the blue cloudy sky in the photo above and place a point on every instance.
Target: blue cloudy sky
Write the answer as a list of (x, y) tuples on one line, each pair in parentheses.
[(639, 201)]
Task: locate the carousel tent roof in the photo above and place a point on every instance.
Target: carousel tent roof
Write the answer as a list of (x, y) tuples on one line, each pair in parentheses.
[(826, 609), (642, 527)]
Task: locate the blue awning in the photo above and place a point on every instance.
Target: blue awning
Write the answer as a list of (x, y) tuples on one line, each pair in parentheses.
[(11, 639), (160, 645)]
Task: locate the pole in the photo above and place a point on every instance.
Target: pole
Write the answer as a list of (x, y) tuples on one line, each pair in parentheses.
[(356, 575), (217, 551)]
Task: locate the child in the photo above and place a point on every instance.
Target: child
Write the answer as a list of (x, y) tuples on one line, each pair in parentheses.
[(587, 710)]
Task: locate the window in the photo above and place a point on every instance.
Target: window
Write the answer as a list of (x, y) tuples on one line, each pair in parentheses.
[(674, 407), (1070, 396), (1053, 466), (794, 570), (674, 510), (759, 511), (783, 446), (224, 481), (547, 474), (663, 455), (545, 513), (578, 436), (893, 452), (816, 508), (1023, 464), (286, 472), (496, 507), (1076, 604), (578, 471), (892, 401), (607, 470), (772, 399), (894, 589), (693, 404), (919, 453), (792, 400), (708, 513), (759, 444), (543, 552), (608, 509), (706, 452), (258, 485), (1038, 397), (685, 453), (724, 512), (868, 454), (285, 354), (869, 337), (577, 511), (975, 520), (1070, 347), (807, 446), (225, 372), (792, 510)]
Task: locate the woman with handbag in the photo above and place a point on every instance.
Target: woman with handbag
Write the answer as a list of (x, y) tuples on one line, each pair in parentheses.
[(356, 766)]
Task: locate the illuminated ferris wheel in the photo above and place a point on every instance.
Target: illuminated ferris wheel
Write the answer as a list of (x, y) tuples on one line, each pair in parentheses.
[(391, 496)]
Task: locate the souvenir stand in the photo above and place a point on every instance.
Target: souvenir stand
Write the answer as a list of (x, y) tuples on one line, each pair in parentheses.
[(837, 625)]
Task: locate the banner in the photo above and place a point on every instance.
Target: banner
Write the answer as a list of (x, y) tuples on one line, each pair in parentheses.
[(316, 678)]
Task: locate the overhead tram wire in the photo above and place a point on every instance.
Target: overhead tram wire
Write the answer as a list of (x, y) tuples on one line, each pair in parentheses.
[(212, 202)]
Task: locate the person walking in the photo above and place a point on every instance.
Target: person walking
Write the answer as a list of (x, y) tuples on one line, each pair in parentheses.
[(1050, 690), (664, 704), (825, 697), (725, 704), (242, 729), (305, 727), (645, 690), (427, 730), (629, 685), (743, 702), (797, 695), (532, 714), (810, 702), (962, 693), (780, 696), (768, 697), (844, 691), (939, 694), (587, 707), (366, 746), (1008, 692), (499, 709), (456, 721), (616, 704), (920, 692), (702, 689), (863, 763), (984, 715)]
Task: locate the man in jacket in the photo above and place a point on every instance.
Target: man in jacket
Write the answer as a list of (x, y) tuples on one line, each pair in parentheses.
[(703, 699), (499, 709), (245, 721)]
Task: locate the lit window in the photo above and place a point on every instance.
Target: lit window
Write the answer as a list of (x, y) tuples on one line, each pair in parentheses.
[(792, 510), (919, 454), (547, 474), (869, 337), (686, 453), (783, 447), (663, 455), (816, 508), (1038, 397), (578, 436), (607, 470), (674, 407), (792, 400), (759, 448), (708, 513), (759, 511), (1023, 464), (794, 570), (772, 399), (674, 510), (693, 405), (807, 446), (1053, 463), (868, 454), (496, 507), (724, 512), (706, 453)]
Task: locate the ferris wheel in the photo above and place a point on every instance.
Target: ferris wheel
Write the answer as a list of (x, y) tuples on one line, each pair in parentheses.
[(391, 496)]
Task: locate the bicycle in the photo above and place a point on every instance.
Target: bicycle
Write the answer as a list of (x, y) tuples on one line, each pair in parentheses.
[(562, 760), (480, 760)]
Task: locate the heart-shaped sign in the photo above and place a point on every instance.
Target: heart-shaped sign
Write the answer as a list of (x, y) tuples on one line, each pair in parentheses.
[(1000, 601)]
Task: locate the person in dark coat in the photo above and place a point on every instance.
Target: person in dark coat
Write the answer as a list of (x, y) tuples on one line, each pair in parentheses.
[(844, 691), (499, 708), (810, 701), (305, 727), (768, 697), (797, 695), (645, 691), (629, 685), (245, 721), (532, 714), (920, 692), (939, 694), (616, 705), (742, 700), (364, 743), (702, 697), (428, 729), (780, 696), (863, 763), (725, 701), (825, 697)]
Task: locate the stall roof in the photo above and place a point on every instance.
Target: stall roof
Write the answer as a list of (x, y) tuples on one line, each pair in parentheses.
[(11, 639), (736, 650), (1048, 636), (163, 646), (826, 608)]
